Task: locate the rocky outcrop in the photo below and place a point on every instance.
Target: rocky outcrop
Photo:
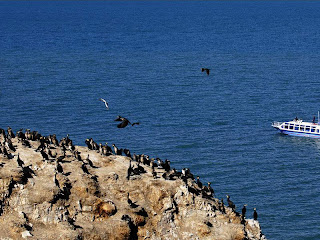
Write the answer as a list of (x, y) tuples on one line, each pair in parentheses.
[(49, 191)]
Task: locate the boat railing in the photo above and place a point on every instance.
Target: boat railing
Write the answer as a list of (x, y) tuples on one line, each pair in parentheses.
[(276, 124)]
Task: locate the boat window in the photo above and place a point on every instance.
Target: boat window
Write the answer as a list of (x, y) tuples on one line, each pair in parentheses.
[(296, 127), (313, 129), (286, 126), (302, 128), (317, 130), (307, 128), (291, 126)]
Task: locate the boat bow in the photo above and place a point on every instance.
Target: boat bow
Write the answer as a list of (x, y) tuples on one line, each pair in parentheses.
[(276, 124)]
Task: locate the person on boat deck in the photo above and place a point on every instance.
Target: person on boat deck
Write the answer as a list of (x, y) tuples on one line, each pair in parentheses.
[(296, 119), (314, 119)]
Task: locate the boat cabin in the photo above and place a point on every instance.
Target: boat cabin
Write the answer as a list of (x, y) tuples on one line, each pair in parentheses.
[(301, 127)]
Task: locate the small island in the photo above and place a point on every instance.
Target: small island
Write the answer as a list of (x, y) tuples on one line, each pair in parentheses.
[(52, 189)]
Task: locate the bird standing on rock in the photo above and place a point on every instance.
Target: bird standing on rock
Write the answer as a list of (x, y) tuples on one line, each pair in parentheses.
[(108, 148), (2, 133), (84, 168), (154, 173), (54, 140), (210, 190), (244, 210), (117, 151), (20, 135), (19, 161), (166, 165), (132, 204), (5, 152), (221, 206), (127, 153), (129, 171), (255, 214), (198, 182), (10, 145), (230, 203), (10, 133), (44, 155), (77, 155), (88, 161)]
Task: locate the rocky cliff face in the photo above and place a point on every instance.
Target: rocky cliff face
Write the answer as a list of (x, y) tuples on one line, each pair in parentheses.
[(52, 191)]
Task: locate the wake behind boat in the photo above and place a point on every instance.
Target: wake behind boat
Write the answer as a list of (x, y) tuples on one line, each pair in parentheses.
[(297, 127)]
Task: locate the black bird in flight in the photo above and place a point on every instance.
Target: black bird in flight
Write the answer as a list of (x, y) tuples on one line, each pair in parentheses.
[(124, 122), (205, 69)]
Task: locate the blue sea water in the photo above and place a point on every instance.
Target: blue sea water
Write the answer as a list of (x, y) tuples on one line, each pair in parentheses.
[(144, 57)]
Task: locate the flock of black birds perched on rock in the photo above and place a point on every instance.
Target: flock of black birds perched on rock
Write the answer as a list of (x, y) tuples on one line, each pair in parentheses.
[(160, 169), (194, 186)]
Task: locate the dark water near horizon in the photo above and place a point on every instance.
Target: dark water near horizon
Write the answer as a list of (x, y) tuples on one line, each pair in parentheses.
[(58, 58)]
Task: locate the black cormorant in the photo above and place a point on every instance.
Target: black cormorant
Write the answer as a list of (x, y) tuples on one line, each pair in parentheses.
[(255, 214), (205, 69), (131, 204), (230, 203)]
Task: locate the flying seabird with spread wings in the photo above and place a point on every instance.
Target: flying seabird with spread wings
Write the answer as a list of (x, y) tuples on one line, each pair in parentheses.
[(124, 122), (205, 69), (105, 103)]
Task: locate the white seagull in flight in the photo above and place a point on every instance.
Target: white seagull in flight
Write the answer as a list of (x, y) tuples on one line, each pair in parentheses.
[(105, 102)]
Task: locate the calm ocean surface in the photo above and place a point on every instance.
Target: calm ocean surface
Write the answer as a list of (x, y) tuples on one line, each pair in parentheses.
[(58, 58)]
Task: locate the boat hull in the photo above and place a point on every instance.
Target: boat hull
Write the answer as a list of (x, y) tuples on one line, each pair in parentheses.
[(300, 134)]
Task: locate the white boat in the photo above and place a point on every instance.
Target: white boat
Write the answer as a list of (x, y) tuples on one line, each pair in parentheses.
[(297, 127)]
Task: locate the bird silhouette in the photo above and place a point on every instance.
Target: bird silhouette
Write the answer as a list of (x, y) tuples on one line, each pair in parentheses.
[(131, 204), (255, 214), (59, 167), (44, 155), (84, 168), (205, 69), (20, 162), (230, 203), (105, 103), (124, 122)]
